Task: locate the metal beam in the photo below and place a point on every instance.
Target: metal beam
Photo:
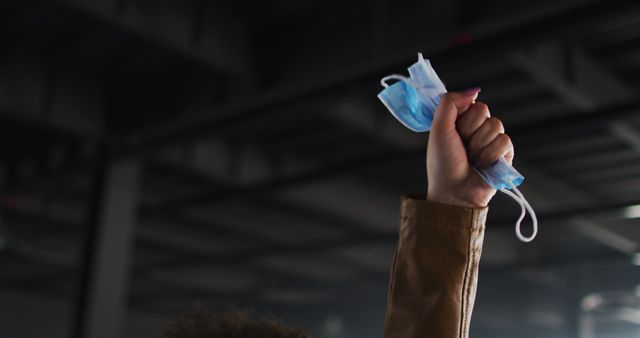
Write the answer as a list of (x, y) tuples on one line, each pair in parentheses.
[(547, 185), (147, 240), (196, 31), (610, 210), (270, 184), (553, 128), (604, 235), (358, 115), (628, 134), (70, 105), (557, 24), (335, 222), (244, 256), (560, 125), (573, 75), (613, 211), (279, 98)]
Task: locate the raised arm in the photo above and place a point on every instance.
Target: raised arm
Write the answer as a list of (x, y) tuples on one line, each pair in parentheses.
[(435, 269)]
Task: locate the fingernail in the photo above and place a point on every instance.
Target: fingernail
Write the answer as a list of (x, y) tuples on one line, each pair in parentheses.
[(472, 91)]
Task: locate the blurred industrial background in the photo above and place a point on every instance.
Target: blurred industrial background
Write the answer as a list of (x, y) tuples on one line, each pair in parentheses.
[(158, 154)]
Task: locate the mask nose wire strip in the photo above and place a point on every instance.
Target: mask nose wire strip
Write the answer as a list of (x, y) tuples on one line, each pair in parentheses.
[(517, 196)]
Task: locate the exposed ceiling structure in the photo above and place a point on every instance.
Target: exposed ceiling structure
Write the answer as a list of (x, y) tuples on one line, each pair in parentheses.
[(271, 174)]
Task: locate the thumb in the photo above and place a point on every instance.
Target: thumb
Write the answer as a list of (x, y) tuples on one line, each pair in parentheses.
[(451, 105)]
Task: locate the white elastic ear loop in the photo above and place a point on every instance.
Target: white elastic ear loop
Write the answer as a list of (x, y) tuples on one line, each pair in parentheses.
[(398, 77), (525, 206)]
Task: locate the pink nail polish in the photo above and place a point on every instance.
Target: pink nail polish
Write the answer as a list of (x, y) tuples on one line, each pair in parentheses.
[(472, 91)]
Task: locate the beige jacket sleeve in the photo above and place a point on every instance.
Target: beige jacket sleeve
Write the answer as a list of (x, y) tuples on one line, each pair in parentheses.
[(435, 270)]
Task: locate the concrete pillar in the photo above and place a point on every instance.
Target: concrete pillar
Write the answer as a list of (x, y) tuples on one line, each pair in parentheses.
[(102, 297)]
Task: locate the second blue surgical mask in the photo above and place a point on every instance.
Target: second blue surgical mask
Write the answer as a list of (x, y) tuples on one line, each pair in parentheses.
[(413, 101)]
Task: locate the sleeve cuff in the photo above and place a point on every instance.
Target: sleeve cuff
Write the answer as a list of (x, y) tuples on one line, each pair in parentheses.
[(416, 208)]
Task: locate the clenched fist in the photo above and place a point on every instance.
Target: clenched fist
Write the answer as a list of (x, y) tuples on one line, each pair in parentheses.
[(464, 133)]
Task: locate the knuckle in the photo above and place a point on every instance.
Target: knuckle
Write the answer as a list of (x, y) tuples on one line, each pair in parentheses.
[(478, 114), (505, 139), (482, 108), (495, 124)]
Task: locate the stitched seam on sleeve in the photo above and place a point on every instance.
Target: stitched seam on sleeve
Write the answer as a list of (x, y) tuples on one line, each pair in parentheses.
[(466, 291), (469, 282), (391, 289)]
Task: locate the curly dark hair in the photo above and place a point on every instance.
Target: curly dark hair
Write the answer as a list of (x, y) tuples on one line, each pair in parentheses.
[(200, 323)]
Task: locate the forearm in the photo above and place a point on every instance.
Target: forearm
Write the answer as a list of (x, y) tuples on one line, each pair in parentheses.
[(434, 275)]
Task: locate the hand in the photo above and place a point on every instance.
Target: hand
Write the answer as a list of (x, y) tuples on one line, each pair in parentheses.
[(463, 132)]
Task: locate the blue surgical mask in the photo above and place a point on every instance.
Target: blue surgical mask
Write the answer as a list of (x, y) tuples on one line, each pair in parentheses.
[(413, 101)]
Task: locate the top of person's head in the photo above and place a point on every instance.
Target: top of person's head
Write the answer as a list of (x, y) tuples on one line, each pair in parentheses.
[(200, 323)]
